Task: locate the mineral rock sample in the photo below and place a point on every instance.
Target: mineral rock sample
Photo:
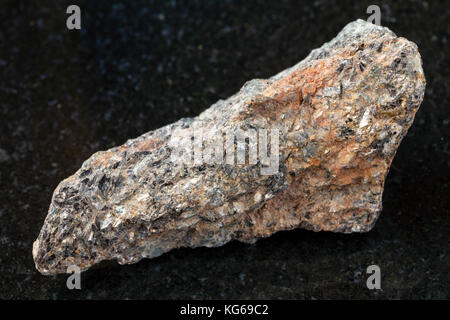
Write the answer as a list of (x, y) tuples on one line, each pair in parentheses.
[(308, 148)]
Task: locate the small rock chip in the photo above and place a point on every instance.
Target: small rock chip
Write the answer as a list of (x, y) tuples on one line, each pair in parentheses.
[(308, 148)]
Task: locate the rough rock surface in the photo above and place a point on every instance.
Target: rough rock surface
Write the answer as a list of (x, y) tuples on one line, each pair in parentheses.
[(340, 115)]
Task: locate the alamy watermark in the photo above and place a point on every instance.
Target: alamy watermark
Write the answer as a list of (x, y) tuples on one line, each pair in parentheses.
[(374, 280), (375, 16), (73, 22), (230, 147), (74, 281)]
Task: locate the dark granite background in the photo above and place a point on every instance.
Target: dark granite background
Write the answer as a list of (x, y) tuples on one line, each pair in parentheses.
[(139, 65)]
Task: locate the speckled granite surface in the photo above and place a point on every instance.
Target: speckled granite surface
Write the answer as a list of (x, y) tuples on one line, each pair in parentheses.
[(135, 67)]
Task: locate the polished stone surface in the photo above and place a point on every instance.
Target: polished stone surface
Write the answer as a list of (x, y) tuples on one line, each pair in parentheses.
[(139, 65)]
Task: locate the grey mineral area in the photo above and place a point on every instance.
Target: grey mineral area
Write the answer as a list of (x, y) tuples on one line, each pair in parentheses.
[(317, 138)]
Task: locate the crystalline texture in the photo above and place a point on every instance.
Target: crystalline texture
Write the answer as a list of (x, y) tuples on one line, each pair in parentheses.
[(340, 114)]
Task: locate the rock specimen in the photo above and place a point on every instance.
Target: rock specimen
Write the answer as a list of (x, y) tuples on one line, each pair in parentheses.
[(308, 148)]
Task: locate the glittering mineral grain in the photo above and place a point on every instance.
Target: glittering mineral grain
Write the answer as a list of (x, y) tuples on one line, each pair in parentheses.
[(340, 113)]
